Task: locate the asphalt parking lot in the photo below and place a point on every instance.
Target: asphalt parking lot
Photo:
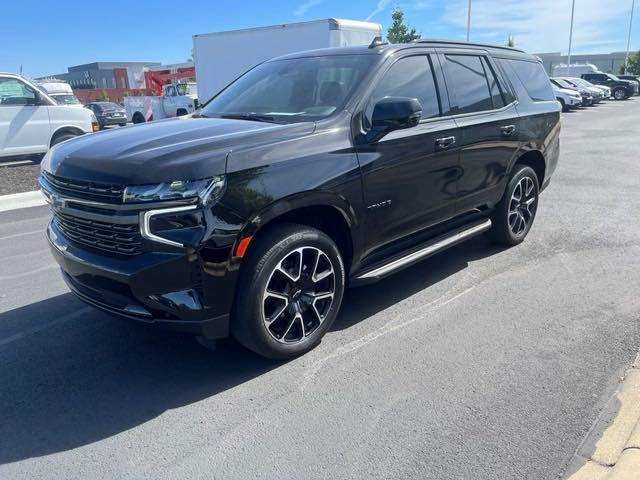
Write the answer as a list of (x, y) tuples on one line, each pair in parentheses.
[(481, 363)]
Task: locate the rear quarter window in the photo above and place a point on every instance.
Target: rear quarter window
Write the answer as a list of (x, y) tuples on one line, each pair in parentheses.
[(532, 76)]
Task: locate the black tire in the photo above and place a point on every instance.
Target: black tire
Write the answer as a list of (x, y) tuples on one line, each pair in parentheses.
[(564, 106), (507, 226), (61, 137), (619, 94), (270, 255), (181, 112), (122, 124), (138, 118)]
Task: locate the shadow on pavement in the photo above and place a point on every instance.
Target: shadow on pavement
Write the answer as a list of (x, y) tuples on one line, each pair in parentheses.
[(90, 378)]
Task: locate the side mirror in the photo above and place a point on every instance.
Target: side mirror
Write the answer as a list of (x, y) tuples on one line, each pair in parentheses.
[(395, 113)]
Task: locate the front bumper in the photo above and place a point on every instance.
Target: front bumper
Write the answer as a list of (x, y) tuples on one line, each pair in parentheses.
[(160, 288)]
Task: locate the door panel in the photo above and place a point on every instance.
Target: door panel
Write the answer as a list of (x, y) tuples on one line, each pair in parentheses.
[(484, 110), (409, 176), (488, 144), (24, 126), (409, 181)]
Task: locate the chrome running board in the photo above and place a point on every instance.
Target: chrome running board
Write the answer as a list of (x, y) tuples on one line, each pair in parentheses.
[(427, 251)]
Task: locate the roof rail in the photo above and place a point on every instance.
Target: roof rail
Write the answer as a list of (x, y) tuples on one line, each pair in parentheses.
[(461, 42), (377, 42)]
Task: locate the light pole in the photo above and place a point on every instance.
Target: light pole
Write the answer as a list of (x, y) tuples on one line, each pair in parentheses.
[(468, 19), (573, 8), (626, 58)]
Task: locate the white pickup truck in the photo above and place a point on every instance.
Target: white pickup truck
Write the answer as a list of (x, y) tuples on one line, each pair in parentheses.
[(176, 100)]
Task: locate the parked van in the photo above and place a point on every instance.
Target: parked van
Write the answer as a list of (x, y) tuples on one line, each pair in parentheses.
[(61, 93), (31, 121), (573, 70)]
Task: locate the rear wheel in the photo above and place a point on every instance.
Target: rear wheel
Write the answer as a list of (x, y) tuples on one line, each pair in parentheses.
[(289, 293), (138, 118), (181, 112), (514, 215)]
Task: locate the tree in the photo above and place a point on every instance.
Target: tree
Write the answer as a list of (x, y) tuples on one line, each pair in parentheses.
[(510, 42), (633, 64), (398, 31)]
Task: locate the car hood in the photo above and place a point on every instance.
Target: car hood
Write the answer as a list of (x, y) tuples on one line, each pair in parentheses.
[(567, 91), (163, 151)]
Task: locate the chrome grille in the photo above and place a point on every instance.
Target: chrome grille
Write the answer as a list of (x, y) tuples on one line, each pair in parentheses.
[(99, 192), (122, 239)]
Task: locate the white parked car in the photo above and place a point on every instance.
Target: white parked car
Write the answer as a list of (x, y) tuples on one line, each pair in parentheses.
[(568, 98), (31, 121)]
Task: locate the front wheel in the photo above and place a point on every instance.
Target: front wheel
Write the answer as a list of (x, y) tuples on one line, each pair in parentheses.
[(562, 104), (62, 137), (289, 293), (619, 94), (514, 215)]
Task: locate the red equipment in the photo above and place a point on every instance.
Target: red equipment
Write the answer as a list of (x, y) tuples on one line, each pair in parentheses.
[(156, 79)]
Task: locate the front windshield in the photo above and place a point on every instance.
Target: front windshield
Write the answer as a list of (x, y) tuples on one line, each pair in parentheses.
[(65, 99), (186, 89), (293, 90), (563, 83)]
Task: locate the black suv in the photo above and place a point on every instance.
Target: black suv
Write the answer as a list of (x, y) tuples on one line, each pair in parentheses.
[(310, 172), (620, 89)]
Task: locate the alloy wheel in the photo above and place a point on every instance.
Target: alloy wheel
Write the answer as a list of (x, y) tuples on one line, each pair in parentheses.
[(298, 295), (522, 206), (618, 94)]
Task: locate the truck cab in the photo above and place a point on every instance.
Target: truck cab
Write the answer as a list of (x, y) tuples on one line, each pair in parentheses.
[(180, 99), (176, 100)]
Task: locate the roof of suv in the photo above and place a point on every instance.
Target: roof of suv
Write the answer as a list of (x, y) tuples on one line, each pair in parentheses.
[(386, 47)]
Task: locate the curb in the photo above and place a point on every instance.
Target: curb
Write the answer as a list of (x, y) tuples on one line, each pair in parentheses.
[(616, 455), (17, 201)]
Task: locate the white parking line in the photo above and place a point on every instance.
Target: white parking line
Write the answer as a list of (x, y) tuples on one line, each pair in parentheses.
[(57, 321), (16, 235), (16, 201)]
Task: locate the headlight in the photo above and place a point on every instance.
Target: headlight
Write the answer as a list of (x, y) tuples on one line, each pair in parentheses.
[(208, 190), (177, 226)]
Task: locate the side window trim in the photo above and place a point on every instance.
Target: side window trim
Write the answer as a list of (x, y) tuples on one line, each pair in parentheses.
[(368, 97), (491, 72), (441, 53), (503, 78)]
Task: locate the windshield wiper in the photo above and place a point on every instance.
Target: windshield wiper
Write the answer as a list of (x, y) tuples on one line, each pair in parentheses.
[(256, 117)]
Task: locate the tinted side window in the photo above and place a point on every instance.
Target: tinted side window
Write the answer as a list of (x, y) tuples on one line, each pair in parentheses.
[(467, 84), (494, 88), (534, 78), (409, 77)]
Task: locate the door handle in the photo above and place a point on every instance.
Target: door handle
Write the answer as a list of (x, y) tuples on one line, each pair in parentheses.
[(445, 142), (508, 129)]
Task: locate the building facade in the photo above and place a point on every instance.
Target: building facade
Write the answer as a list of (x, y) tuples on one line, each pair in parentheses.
[(105, 75), (606, 62)]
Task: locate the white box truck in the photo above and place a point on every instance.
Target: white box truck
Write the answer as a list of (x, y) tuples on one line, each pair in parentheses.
[(221, 57)]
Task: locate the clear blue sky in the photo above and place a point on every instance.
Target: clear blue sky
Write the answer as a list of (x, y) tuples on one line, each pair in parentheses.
[(46, 37)]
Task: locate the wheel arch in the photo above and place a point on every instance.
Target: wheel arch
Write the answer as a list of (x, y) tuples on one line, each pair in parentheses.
[(326, 211), (65, 129), (534, 159)]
